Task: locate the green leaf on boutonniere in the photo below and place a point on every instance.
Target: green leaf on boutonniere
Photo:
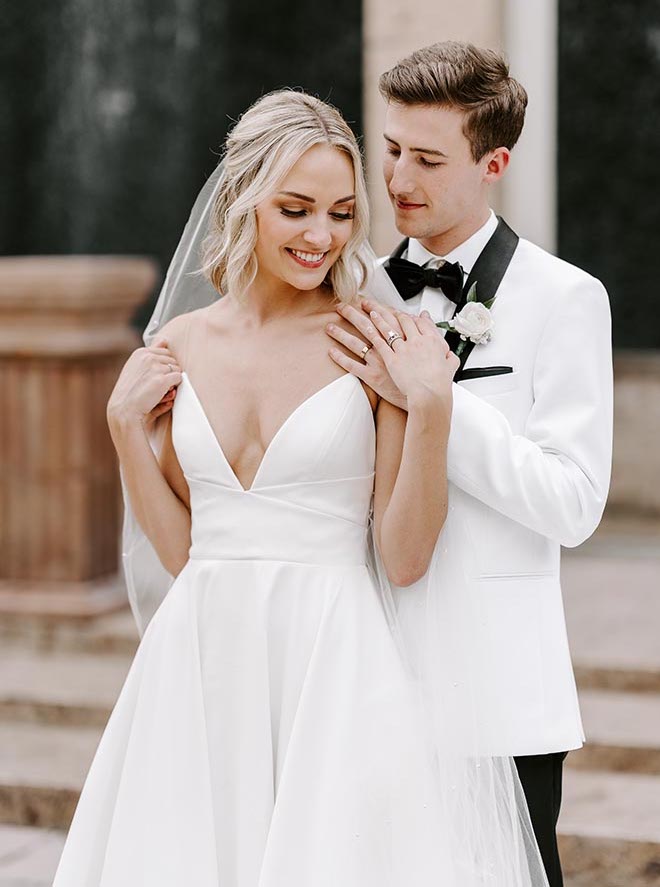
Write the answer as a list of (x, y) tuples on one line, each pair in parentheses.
[(472, 293), (489, 304), (443, 325)]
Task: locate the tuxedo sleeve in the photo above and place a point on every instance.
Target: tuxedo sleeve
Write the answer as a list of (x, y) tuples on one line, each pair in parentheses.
[(554, 477)]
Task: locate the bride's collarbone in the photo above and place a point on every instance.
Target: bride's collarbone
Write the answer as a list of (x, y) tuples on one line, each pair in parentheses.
[(247, 405), (250, 386), (265, 396)]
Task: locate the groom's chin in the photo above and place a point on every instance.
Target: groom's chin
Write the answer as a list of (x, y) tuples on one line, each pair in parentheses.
[(409, 227)]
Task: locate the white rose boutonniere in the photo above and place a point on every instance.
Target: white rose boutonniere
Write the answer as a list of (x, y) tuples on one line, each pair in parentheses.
[(473, 322)]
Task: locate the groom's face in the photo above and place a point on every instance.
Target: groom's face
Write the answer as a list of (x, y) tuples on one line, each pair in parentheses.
[(433, 182)]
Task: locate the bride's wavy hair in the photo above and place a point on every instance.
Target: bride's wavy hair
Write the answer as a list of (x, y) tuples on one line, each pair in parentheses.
[(266, 142)]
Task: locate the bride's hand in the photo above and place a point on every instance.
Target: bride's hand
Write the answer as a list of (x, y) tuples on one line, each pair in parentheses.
[(420, 363), (369, 367), (146, 386), (374, 366)]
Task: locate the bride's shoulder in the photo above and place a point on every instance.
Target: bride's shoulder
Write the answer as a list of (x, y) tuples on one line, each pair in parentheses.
[(182, 324), (186, 331)]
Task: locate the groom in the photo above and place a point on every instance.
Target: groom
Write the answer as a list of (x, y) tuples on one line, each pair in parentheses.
[(530, 445)]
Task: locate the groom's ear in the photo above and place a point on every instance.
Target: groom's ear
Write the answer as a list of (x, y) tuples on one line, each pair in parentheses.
[(496, 163)]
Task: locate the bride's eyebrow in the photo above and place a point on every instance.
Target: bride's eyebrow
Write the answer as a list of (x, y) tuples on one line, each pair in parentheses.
[(298, 196), (312, 200)]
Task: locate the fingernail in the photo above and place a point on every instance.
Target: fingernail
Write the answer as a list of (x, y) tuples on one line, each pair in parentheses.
[(373, 314), (330, 326)]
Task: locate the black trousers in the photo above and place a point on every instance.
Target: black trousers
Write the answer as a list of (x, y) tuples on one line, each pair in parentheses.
[(540, 776)]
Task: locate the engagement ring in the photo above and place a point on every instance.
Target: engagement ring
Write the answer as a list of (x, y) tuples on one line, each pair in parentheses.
[(392, 337)]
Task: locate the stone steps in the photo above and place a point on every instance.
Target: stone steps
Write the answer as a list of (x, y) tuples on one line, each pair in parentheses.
[(623, 732), (114, 634), (65, 688), (69, 688), (612, 613), (59, 681), (51, 762), (610, 821), (634, 680), (609, 829), (28, 856), (42, 770)]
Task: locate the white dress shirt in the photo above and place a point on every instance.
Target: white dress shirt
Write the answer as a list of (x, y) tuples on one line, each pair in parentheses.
[(432, 299)]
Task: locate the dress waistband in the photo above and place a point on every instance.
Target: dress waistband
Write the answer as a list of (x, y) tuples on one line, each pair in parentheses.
[(244, 526)]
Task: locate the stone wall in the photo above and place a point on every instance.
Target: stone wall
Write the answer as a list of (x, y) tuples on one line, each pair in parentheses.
[(636, 464)]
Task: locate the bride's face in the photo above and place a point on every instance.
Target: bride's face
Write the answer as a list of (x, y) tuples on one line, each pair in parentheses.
[(305, 224)]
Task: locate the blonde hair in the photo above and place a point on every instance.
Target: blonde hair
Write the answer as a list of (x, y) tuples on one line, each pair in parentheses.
[(263, 146)]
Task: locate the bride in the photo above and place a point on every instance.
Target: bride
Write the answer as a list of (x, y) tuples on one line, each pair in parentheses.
[(274, 729)]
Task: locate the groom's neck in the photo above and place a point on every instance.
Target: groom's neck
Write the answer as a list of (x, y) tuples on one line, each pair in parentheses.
[(442, 242)]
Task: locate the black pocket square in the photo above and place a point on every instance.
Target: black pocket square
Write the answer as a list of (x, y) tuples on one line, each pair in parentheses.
[(481, 372)]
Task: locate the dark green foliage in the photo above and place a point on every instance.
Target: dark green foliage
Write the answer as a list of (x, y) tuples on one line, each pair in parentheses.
[(609, 144), (114, 111)]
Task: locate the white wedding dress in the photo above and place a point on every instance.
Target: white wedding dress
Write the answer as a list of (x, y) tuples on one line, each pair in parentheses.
[(266, 734)]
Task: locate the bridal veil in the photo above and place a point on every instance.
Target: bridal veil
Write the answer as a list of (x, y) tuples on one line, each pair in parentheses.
[(432, 623)]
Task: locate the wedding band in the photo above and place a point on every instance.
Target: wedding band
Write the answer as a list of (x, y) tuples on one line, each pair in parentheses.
[(392, 337), (365, 350)]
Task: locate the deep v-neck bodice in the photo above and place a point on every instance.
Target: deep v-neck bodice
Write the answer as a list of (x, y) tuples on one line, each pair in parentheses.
[(311, 495), (343, 391)]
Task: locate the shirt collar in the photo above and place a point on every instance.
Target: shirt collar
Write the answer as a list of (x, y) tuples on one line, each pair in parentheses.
[(466, 253)]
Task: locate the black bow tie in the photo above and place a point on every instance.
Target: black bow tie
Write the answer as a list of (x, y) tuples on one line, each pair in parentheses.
[(410, 279)]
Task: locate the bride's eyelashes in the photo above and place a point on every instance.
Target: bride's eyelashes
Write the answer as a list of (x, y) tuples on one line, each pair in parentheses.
[(299, 213)]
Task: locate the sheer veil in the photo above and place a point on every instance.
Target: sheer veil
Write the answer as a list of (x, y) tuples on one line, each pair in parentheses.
[(434, 624)]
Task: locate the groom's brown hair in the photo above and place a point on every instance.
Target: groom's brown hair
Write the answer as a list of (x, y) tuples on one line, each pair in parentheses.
[(460, 75)]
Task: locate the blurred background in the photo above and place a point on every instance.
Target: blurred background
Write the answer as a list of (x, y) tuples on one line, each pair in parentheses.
[(113, 114)]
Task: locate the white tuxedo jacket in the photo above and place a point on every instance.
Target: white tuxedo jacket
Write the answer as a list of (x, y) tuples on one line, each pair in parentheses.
[(529, 466)]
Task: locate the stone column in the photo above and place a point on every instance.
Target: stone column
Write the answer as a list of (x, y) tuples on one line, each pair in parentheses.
[(64, 334), (529, 188), (391, 32)]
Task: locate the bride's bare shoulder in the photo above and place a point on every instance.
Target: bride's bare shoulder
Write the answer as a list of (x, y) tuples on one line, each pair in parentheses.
[(178, 331), (179, 325)]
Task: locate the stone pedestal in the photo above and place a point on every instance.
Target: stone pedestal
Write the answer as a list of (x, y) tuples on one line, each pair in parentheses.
[(64, 334)]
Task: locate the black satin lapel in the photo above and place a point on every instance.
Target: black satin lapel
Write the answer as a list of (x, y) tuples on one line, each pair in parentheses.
[(487, 272), (492, 262), (401, 248)]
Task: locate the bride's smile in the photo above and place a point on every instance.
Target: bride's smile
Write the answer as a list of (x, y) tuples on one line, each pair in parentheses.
[(304, 226)]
